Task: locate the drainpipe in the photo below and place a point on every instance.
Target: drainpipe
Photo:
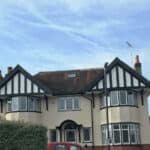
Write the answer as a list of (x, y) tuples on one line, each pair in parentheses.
[(92, 117), (107, 113)]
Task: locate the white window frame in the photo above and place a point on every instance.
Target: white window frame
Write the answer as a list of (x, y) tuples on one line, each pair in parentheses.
[(119, 97), (65, 99), (128, 129), (111, 129)]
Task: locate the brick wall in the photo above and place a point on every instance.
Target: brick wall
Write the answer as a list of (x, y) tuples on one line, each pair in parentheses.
[(124, 147)]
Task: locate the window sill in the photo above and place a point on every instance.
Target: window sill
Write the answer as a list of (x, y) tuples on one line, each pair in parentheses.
[(119, 106), (87, 142), (69, 110), (23, 112), (122, 144)]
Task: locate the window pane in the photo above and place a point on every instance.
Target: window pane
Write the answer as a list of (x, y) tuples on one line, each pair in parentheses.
[(74, 148), (104, 135), (70, 135), (125, 136), (133, 136), (61, 104), (53, 135), (69, 103), (116, 133), (60, 147), (86, 134), (123, 97), (114, 98), (37, 106), (23, 103), (131, 100), (9, 105), (30, 104), (116, 136), (15, 104), (76, 103)]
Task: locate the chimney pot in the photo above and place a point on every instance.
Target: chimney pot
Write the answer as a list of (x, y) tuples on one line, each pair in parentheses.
[(138, 65), (137, 60), (9, 69)]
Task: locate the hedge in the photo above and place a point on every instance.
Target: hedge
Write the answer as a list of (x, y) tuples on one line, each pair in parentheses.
[(20, 136)]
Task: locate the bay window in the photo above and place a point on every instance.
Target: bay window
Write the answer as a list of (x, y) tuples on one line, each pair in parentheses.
[(23, 103), (121, 133), (119, 98)]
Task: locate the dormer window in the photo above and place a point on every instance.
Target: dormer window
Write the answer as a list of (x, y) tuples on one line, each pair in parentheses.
[(71, 75)]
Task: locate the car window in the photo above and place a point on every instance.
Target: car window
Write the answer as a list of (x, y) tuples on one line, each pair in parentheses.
[(74, 148), (60, 147)]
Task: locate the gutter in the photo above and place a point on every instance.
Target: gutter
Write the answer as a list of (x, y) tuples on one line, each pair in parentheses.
[(92, 117)]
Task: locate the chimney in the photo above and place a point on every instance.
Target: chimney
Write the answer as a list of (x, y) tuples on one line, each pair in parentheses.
[(138, 65), (9, 69), (1, 77)]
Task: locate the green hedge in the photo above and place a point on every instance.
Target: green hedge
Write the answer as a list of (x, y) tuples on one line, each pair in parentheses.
[(20, 136)]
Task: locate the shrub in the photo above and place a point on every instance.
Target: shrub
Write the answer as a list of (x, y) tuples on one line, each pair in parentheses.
[(20, 136)]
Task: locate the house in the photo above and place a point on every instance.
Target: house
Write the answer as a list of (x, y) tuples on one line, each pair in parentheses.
[(99, 108)]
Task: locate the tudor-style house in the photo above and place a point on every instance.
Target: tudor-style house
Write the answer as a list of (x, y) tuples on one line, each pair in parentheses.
[(95, 107)]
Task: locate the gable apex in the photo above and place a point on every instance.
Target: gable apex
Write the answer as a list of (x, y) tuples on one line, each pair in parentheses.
[(120, 75), (19, 81)]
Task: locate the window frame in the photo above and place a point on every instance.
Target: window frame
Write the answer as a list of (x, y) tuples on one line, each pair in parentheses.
[(89, 132), (63, 101), (132, 103), (50, 135), (17, 102), (111, 130)]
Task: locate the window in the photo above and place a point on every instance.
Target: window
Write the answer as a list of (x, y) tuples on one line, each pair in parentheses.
[(123, 97), (70, 135), (125, 133), (68, 103), (86, 134), (60, 147), (116, 133), (23, 103), (120, 98), (53, 135), (72, 147), (122, 133), (114, 98)]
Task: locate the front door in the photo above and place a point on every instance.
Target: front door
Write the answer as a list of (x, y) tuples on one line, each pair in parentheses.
[(70, 135)]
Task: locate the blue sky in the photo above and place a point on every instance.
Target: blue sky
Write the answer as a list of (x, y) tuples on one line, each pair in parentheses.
[(69, 34)]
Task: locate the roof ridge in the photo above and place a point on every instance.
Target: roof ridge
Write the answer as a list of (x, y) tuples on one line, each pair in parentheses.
[(84, 69)]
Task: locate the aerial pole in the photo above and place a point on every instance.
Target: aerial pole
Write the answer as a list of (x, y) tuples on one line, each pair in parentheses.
[(131, 51)]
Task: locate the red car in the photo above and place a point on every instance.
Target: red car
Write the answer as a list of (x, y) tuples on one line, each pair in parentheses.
[(64, 146)]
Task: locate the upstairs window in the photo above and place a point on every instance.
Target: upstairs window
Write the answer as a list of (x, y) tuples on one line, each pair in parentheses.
[(68, 103), (23, 103), (120, 98)]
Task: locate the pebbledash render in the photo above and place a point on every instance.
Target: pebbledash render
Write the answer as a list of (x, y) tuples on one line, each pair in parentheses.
[(72, 104)]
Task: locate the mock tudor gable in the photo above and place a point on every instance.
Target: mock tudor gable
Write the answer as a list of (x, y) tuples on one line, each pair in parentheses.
[(20, 82), (120, 75)]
